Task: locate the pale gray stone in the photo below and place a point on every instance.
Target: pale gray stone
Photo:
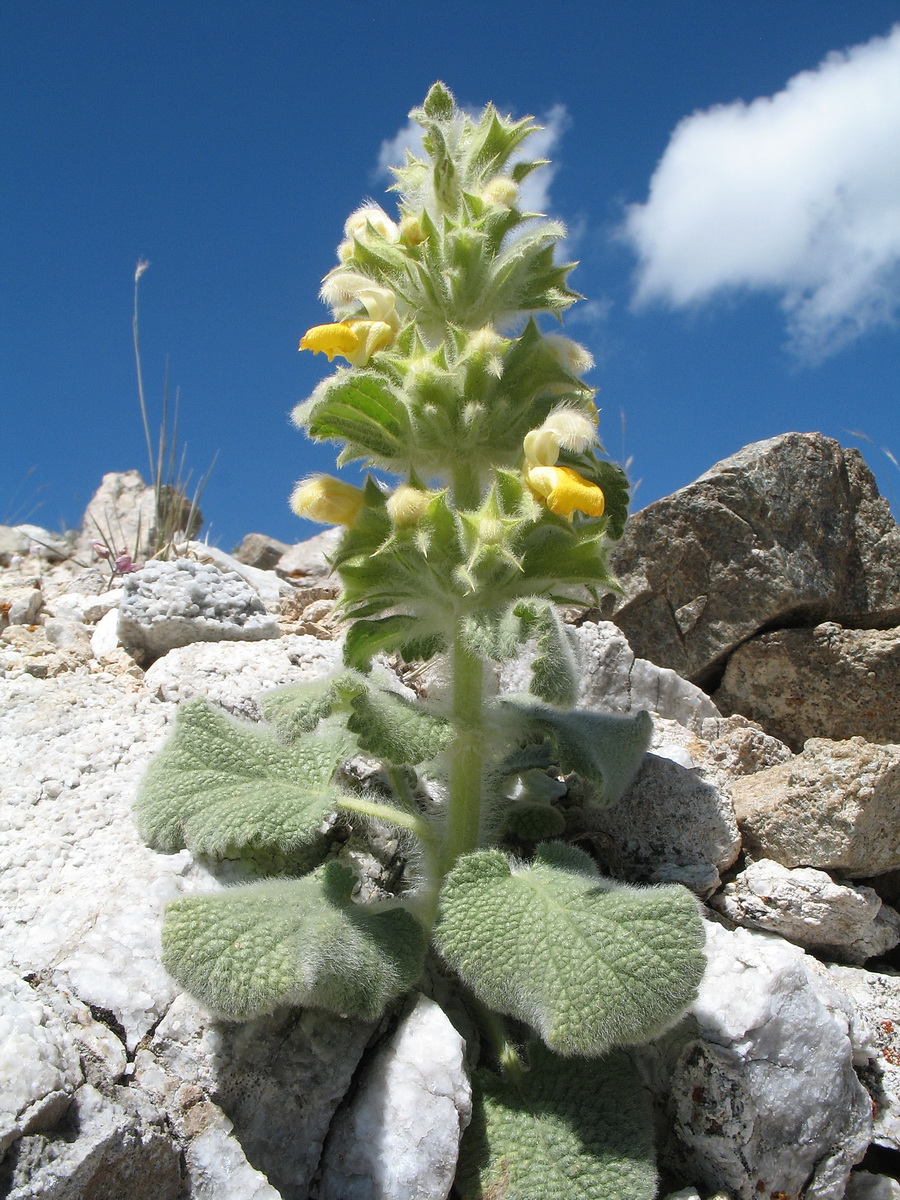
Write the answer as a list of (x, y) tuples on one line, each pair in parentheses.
[(810, 909), (105, 1149), (835, 806), (267, 585), (44, 545), (169, 604), (121, 514), (400, 1134), (235, 674), (13, 544), (309, 558), (787, 530), (20, 605), (278, 1079), (612, 679), (675, 823), (824, 682), (85, 607), (862, 1185), (81, 895), (105, 638), (876, 997), (259, 550), (757, 1089), (39, 1063)]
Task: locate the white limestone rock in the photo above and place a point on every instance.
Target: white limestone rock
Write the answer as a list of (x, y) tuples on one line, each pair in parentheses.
[(277, 1079), (876, 998), (400, 1134), (39, 1063), (810, 909), (757, 1087), (834, 807), (169, 604), (105, 639), (122, 513), (266, 584), (106, 1147), (614, 680), (80, 893), (20, 605), (88, 609), (235, 674)]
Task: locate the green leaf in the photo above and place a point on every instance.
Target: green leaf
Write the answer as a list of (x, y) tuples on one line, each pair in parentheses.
[(392, 727), (246, 950), (297, 709), (589, 964), (606, 750), (219, 785), (362, 410), (399, 632), (563, 1130)]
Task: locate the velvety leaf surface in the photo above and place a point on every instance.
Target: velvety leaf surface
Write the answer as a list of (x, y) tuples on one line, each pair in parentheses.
[(586, 962), (606, 750), (568, 1129), (248, 949), (218, 785)]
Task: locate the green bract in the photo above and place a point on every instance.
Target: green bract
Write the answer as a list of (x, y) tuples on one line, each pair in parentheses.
[(488, 502)]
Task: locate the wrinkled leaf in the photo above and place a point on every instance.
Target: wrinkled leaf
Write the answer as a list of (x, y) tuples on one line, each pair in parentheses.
[(246, 950), (565, 1130), (218, 785), (589, 964)]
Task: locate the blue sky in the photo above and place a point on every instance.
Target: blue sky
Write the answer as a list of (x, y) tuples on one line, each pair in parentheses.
[(738, 227)]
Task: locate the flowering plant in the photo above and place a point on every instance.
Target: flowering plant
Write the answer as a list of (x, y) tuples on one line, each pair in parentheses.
[(503, 507)]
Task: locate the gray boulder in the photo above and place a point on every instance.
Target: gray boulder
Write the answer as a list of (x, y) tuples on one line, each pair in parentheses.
[(826, 682), (787, 531), (835, 806), (169, 604)]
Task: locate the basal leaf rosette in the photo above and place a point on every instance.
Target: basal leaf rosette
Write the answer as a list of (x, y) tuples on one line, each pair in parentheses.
[(587, 963), (562, 1130)]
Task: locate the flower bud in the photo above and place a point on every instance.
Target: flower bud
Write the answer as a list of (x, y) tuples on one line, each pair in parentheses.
[(374, 216), (406, 506), (412, 231), (327, 500), (486, 341), (502, 191), (574, 358)]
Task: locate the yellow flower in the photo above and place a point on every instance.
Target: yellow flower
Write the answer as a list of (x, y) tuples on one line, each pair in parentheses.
[(356, 341), (327, 500), (565, 492)]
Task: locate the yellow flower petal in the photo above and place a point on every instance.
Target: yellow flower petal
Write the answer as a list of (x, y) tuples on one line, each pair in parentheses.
[(356, 341), (337, 338), (327, 500), (564, 491)]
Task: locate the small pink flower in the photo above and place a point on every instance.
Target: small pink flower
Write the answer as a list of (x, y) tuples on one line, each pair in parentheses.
[(125, 564), (101, 549)]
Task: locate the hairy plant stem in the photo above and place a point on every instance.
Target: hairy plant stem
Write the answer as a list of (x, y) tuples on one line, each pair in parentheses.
[(466, 754)]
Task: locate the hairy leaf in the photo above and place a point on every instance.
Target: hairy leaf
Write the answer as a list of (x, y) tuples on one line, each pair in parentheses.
[(606, 750), (246, 950), (564, 1130), (586, 962), (395, 728), (218, 785)]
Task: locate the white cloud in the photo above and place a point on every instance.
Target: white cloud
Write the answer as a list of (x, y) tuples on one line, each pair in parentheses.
[(534, 194), (797, 194)]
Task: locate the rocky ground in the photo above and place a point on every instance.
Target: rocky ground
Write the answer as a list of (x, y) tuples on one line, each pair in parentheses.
[(759, 623)]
